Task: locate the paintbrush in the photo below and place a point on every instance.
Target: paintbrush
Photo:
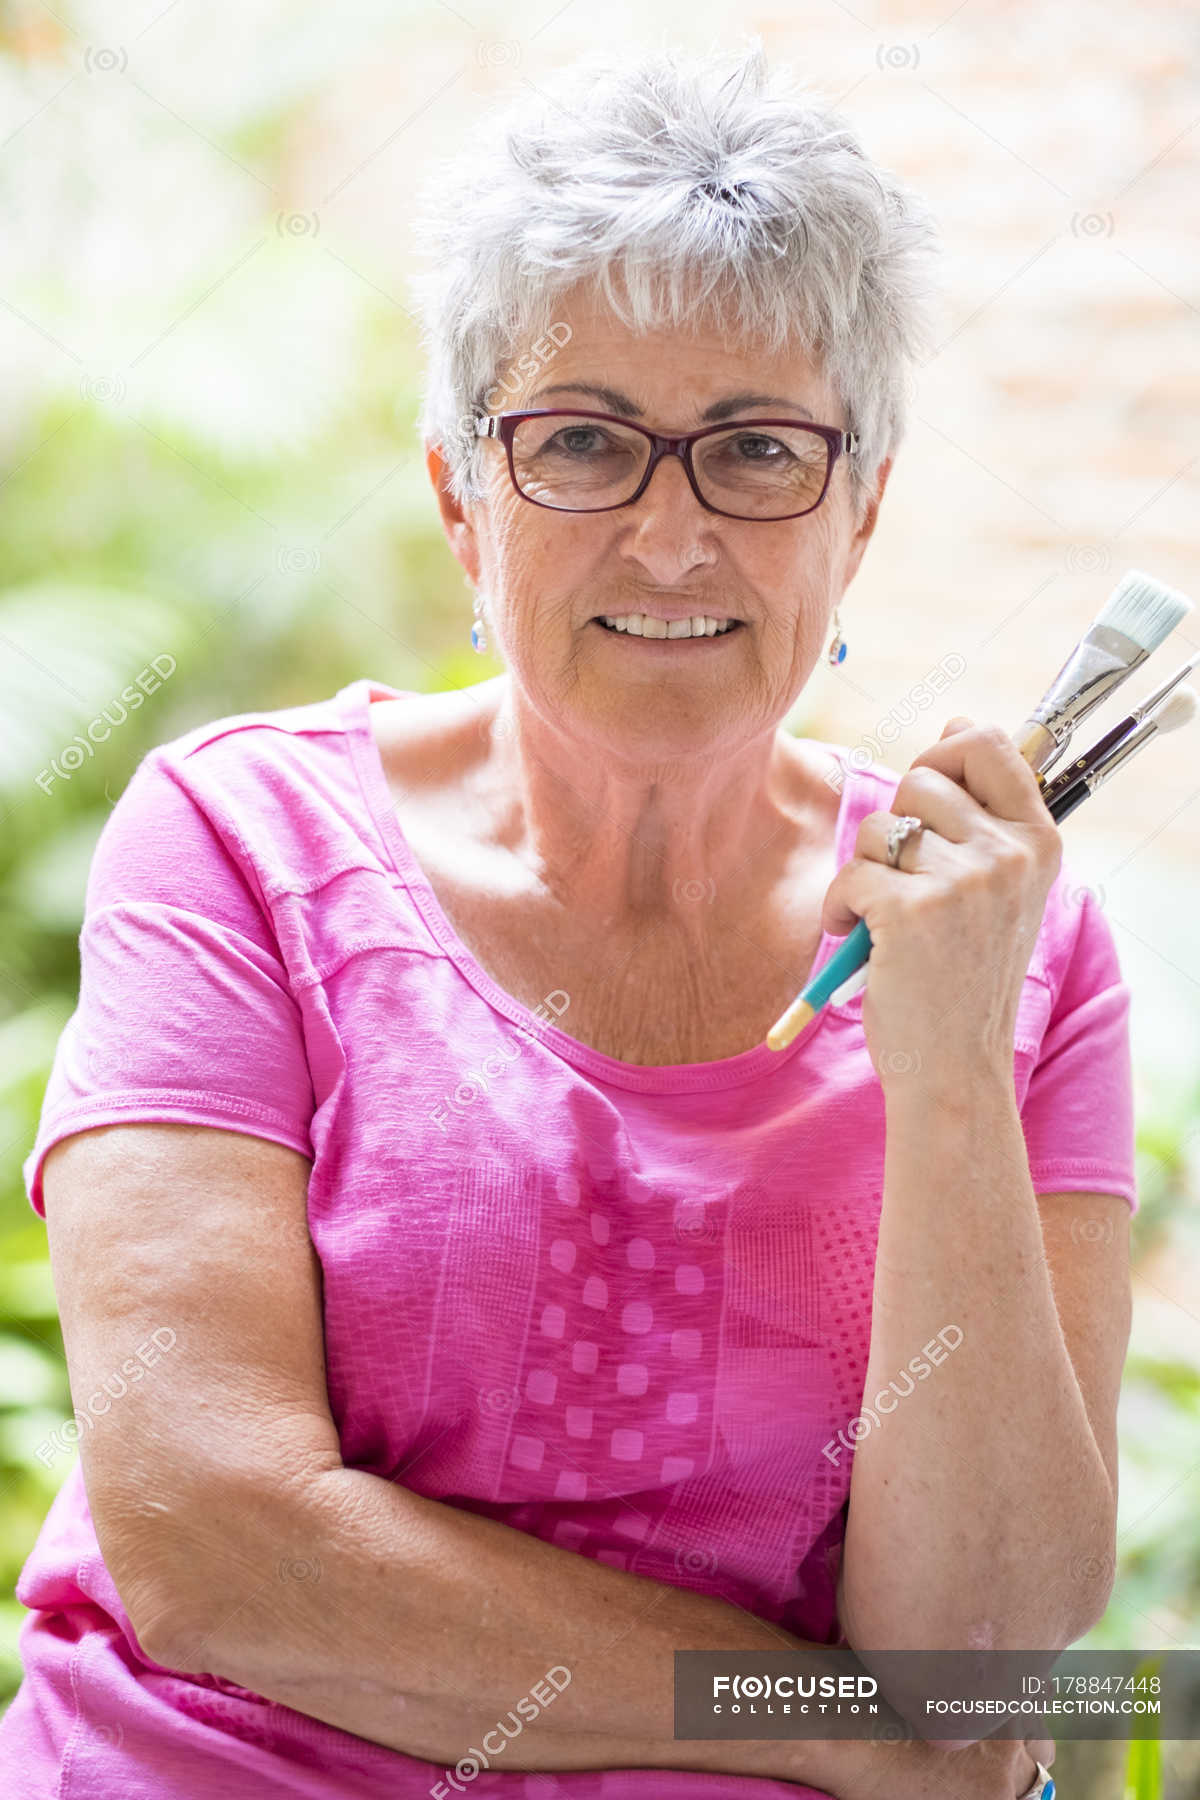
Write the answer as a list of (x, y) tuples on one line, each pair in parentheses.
[(1090, 757), (1134, 620), (1178, 710)]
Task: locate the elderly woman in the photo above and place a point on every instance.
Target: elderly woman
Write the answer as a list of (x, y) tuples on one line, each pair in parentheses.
[(465, 1308)]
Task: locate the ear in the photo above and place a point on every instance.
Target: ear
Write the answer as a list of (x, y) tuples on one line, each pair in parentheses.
[(460, 532), (862, 532)]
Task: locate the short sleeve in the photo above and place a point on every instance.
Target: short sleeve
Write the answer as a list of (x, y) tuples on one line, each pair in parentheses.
[(185, 1011), (1078, 1109)]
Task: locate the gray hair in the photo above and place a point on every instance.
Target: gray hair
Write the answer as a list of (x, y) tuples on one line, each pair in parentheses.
[(684, 186)]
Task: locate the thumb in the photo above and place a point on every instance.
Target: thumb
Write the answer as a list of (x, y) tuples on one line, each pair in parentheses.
[(959, 722), (836, 917)]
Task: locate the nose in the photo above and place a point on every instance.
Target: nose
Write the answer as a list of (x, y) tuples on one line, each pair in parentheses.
[(667, 526)]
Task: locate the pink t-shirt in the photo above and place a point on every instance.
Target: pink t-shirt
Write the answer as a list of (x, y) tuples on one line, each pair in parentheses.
[(625, 1309)]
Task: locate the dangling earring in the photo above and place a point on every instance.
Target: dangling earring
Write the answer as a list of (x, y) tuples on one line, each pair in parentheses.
[(478, 634), (837, 649)]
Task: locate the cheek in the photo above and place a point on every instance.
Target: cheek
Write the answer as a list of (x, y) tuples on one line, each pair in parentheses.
[(817, 545), (542, 559), (792, 562)]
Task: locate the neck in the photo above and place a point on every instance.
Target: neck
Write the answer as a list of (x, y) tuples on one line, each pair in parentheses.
[(619, 840)]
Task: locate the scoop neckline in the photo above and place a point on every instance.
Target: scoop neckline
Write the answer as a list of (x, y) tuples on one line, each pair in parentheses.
[(353, 702)]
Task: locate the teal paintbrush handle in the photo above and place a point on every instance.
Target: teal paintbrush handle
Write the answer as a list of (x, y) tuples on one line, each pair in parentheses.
[(849, 955)]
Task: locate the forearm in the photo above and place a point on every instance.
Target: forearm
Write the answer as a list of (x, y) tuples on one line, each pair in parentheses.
[(980, 1513), (419, 1625)]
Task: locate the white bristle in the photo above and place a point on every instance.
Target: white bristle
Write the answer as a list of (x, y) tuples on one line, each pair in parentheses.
[(1143, 609), (1178, 709)]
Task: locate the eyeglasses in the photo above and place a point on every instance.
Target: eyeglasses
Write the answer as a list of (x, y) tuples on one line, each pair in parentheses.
[(594, 462)]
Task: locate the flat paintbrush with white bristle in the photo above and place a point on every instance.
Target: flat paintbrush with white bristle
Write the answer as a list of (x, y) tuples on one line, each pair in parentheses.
[(1134, 620)]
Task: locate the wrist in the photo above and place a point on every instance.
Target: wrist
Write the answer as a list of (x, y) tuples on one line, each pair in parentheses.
[(839, 1767), (965, 1087)]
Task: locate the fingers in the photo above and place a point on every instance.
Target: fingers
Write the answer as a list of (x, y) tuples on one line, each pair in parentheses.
[(960, 788), (921, 853), (984, 760), (938, 801), (847, 897), (864, 883)]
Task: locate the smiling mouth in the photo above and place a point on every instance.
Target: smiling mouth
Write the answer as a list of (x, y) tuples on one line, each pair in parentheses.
[(651, 630)]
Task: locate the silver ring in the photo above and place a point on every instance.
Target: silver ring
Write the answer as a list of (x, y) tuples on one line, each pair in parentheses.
[(899, 834), (1039, 1785)]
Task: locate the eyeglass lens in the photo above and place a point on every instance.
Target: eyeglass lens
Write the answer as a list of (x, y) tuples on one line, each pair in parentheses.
[(751, 471)]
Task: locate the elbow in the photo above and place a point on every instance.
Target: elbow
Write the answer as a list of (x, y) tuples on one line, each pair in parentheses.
[(160, 1567), (1056, 1590), (177, 1603), (1092, 1579), (167, 1638), (195, 1565), (184, 1568), (1080, 1598), (1065, 1613)]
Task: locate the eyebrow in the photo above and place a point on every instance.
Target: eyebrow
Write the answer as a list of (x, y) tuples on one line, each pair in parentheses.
[(616, 402)]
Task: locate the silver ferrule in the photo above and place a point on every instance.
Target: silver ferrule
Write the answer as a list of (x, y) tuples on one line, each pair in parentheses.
[(1130, 744), (1154, 700), (1098, 664)]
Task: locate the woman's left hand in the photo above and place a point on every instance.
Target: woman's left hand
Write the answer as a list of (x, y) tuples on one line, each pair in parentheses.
[(953, 927)]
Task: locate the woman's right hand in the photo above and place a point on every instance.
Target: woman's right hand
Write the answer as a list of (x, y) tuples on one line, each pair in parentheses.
[(993, 1769)]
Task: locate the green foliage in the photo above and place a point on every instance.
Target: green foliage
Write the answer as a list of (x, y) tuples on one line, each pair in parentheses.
[(120, 548), (1143, 1771)]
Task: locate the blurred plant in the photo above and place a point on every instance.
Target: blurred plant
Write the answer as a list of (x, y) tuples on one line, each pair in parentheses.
[(122, 557)]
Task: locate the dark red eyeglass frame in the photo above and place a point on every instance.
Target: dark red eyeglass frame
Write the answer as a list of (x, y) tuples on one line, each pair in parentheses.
[(503, 425)]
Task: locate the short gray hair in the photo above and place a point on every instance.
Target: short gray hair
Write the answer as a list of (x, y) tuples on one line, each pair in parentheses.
[(709, 187)]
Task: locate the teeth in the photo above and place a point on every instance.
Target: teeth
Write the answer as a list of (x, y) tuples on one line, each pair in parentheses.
[(642, 625)]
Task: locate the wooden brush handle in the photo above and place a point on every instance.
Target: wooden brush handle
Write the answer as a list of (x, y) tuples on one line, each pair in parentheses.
[(1036, 745)]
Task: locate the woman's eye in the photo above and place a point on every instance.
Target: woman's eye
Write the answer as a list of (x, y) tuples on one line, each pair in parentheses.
[(569, 439), (759, 448)]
